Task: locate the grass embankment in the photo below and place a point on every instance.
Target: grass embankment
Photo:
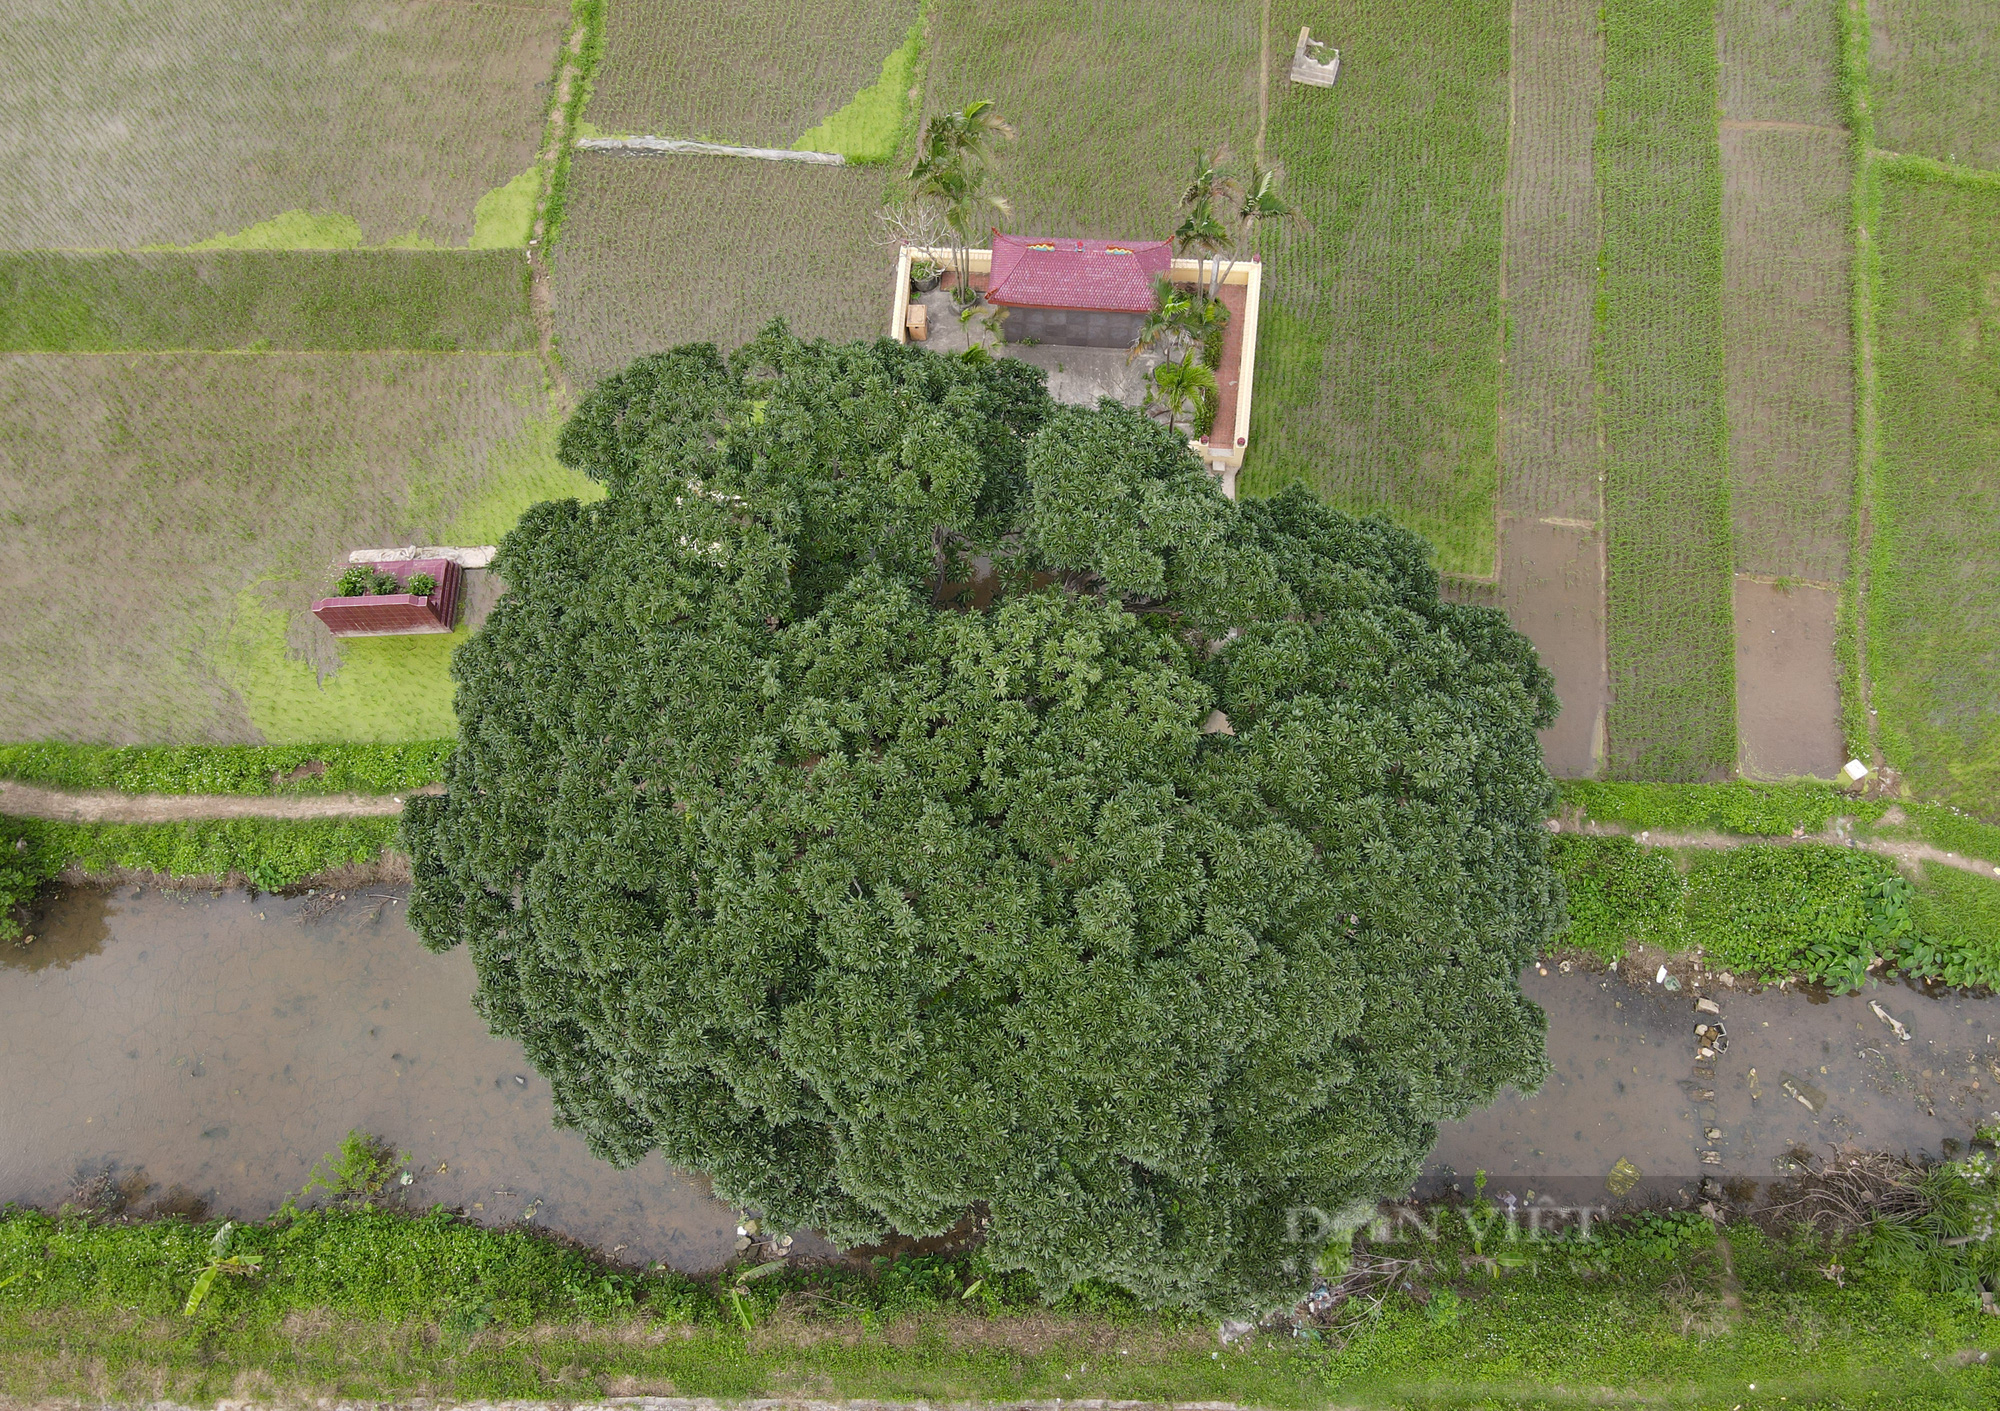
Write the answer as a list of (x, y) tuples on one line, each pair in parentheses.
[(1378, 377), (1773, 910), (365, 1304), (1660, 368), (266, 853), (228, 769), (258, 300)]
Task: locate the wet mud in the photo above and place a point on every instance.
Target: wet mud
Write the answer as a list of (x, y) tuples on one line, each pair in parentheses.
[(1793, 1071), (1787, 688), (199, 1054)]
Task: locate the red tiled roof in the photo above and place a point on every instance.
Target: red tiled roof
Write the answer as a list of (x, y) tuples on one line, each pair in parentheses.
[(1114, 276)]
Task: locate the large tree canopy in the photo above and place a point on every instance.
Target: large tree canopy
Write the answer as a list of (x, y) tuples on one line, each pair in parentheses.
[(879, 899)]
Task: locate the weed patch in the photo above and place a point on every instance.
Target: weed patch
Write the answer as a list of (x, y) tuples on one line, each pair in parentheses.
[(268, 853)]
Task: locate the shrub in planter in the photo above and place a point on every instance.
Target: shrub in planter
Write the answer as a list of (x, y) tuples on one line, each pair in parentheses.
[(386, 583), (356, 582), (422, 584)]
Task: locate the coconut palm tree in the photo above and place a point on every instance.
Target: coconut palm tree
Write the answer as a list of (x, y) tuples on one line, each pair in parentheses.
[(951, 169), (1258, 201), (1181, 384)]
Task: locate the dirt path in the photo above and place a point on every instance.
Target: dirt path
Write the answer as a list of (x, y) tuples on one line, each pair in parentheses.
[(1902, 851), (541, 300), (27, 801)]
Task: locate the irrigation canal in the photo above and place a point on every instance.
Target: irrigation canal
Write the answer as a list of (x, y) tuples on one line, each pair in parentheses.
[(204, 1050)]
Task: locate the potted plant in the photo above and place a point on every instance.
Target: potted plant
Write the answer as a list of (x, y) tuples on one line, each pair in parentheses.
[(925, 275)]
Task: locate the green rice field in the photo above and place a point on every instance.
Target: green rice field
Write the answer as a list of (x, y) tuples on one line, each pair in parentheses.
[(665, 250), (1110, 101), (170, 518), (1934, 601), (170, 122), (1379, 358), (298, 300), (1660, 369), (1935, 79), (755, 73)]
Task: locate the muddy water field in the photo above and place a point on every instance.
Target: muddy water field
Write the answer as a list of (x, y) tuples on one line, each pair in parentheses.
[(198, 1053)]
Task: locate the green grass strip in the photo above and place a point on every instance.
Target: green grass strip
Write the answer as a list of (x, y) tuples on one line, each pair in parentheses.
[(304, 300), (366, 1305), (1670, 628), (269, 853), (1754, 810), (1857, 728), (229, 769), (587, 15)]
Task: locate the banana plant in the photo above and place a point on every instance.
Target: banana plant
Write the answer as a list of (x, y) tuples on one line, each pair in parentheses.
[(220, 1261)]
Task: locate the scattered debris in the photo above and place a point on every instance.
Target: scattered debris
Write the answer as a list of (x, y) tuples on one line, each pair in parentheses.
[(1707, 1006), (1622, 1177), (1887, 1018)]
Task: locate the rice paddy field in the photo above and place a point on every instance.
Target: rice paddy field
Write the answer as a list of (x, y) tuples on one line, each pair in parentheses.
[(665, 250), (754, 73), (1111, 101), (296, 300), (169, 122), (170, 518), (1661, 374), (1934, 599), (1935, 79), (1379, 367)]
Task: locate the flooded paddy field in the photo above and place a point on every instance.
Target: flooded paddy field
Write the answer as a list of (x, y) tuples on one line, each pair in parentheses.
[(202, 1051)]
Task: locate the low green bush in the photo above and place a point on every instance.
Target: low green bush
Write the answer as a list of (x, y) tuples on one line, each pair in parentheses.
[(1955, 925), (229, 769), (272, 853), (1776, 911), (1755, 810), (1620, 894)]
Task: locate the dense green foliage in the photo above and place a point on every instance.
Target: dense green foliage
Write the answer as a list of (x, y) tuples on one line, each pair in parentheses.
[(1819, 912), (1660, 370), (1378, 371), (268, 853), (228, 769), (335, 300), (1933, 617), (1758, 810), (370, 1305), (875, 909)]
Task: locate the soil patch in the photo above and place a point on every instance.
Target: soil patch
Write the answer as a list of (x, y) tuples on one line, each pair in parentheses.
[(1552, 586), (1787, 688), (27, 801)]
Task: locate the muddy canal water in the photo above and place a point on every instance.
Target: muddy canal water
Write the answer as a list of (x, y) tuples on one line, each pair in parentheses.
[(205, 1050)]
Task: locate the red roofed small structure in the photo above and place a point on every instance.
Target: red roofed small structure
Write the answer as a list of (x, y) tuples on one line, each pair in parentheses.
[(1085, 293)]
